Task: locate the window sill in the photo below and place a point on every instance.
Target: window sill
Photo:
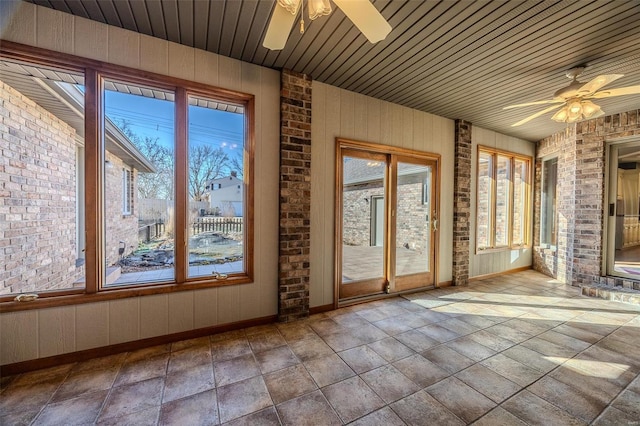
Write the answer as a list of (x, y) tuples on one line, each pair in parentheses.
[(501, 249), (74, 297)]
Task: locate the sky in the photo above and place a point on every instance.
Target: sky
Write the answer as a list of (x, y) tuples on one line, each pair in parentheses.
[(154, 118)]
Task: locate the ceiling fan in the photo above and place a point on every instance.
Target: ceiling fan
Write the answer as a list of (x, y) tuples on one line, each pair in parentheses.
[(575, 99), (362, 13)]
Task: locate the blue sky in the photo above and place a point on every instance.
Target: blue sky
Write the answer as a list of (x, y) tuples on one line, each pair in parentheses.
[(154, 118)]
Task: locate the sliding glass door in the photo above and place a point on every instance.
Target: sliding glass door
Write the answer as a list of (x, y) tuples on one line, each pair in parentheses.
[(387, 219), (623, 257)]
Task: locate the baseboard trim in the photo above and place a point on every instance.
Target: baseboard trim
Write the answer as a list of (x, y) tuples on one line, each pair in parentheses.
[(320, 309), (52, 361), (497, 274)]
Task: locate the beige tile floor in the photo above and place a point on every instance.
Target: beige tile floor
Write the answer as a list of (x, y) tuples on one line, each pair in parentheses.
[(513, 350)]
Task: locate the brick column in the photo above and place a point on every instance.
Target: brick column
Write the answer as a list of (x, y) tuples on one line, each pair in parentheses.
[(461, 202), (295, 196)]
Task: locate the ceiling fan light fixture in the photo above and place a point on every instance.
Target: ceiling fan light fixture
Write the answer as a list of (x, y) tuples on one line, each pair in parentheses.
[(318, 8), (560, 116), (589, 109), (290, 6)]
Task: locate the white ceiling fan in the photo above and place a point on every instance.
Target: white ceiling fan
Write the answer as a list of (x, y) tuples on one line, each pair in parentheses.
[(361, 12), (575, 99)]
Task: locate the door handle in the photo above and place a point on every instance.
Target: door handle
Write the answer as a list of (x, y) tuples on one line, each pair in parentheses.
[(435, 224)]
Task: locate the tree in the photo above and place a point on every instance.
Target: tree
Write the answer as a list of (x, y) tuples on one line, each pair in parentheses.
[(158, 185), (205, 163), (236, 166)]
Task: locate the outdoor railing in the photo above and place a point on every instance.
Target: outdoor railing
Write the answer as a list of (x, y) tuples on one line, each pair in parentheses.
[(150, 231), (224, 225)]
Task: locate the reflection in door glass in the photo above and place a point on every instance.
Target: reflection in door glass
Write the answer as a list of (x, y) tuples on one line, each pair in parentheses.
[(413, 219), (627, 210), (363, 219)]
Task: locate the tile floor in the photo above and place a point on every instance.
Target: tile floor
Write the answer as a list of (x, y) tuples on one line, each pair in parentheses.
[(518, 349)]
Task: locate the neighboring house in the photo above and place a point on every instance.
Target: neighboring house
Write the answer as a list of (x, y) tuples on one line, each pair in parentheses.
[(225, 195), (363, 215), (42, 166)]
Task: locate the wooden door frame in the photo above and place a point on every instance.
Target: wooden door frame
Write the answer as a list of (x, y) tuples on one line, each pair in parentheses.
[(346, 145)]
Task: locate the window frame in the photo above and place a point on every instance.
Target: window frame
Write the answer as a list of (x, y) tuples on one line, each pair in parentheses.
[(95, 72), (512, 156), (554, 221)]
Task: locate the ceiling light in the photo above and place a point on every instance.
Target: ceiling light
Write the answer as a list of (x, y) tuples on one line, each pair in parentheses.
[(560, 116), (362, 13), (577, 110), (318, 8), (291, 6), (589, 109)]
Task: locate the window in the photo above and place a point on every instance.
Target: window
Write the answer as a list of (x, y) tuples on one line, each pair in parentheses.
[(138, 151), (42, 210), (548, 211), (127, 191), (503, 194)]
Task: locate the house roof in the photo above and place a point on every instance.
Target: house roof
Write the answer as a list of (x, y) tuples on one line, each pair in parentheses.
[(456, 59), (65, 101), (358, 171)]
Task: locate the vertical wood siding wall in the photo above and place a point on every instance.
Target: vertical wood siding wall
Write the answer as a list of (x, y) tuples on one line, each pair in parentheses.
[(490, 263), (46, 332), (341, 113)]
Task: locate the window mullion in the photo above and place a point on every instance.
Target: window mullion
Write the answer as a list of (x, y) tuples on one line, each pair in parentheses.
[(494, 199), (181, 185), (512, 173), (94, 177)]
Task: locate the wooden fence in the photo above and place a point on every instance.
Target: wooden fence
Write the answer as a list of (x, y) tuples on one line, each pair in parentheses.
[(150, 231), (223, 225)]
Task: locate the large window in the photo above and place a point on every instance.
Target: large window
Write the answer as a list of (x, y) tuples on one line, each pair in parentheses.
[(548, 215), (503, 194), (162, 167)]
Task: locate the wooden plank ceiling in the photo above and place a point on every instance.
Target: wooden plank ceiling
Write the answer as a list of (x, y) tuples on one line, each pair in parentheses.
[(458, 59)]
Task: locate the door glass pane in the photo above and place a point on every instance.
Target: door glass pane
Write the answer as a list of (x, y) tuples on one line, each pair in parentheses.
[(503, 170), (413, 219), (519, 202), (363, 219), (138, 184), (216, 188), (485, 187), (42, 214), (627, 211)]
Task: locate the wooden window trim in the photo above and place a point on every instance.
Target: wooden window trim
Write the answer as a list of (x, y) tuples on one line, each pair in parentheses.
[(513, 156), (95, 72), (389, 155)]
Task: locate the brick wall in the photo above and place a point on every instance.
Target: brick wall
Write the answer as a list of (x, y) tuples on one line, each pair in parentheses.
[(295, 195), (545, 259), (118, 226), (581, 204), (411, 213), (461, 202), (37, 197)]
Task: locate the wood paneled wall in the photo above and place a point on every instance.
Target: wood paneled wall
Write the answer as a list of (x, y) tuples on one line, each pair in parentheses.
[(341, 113), (491, 263), (46, 332)]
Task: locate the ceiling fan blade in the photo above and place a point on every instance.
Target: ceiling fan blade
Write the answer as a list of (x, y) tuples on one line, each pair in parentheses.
[(631, 90), (279, 28), (366, 17), (597, 83), (547, 101), (536, 115)]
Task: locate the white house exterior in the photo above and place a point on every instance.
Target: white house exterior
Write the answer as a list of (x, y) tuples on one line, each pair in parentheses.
[(226, 194)]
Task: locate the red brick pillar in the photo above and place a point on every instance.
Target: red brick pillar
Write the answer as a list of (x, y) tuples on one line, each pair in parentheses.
[(295, 196), (461, 202)]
